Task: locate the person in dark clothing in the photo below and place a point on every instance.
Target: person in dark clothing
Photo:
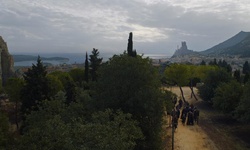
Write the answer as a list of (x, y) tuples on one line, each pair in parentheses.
[(184, 115), (180, 103), (196, 115), (192, 107), (174, 101), (183, 118), (178, 113), (190, 120), (175, 121)]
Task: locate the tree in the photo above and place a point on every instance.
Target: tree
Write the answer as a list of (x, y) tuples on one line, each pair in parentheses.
[(133, 85), (246, 78), (95, 63), (242, 111), (68, 85), (77, 75), (4, 130), (193, 79), (55, 85), (130, 50), (227, 96), (203, 62), (13, 88), (213, 63), (54, 127), (237, 75), (86, 71), (36, 86), (246, 67), (211, 80), (179, 75)]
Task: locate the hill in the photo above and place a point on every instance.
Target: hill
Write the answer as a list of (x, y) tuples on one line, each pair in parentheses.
[(183, 50), (20, 58), (236, 45)]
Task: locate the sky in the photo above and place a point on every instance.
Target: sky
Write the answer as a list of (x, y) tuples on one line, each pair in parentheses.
[(158, 26)]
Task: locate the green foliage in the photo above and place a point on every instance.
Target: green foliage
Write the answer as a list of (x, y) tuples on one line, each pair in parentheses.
[(242, 111), (227, 96), (13, 88), (55, 85), (178, 74), (211, 81), (213, 63), (246, 78), (246, 68), (4, 130), (237, 75), (54, 127), (133, 85), (95, 63), (36, 86), (225, 65), (77, 75), (68, 85), (168, 97), (111, 130), (203, 62), (202, 71)]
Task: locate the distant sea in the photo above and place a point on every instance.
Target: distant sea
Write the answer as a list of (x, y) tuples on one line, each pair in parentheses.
[(75, 58)]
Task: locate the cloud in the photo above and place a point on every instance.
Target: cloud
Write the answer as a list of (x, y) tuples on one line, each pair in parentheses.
[(158, 26)]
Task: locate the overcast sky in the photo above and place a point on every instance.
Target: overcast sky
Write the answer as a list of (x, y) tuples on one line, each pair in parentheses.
[(158, 26)]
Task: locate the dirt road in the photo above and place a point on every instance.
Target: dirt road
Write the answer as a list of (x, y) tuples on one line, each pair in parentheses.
[(191, 137), (214, 132)]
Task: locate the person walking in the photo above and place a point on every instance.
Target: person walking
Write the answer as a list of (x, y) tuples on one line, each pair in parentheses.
[(196, 115)]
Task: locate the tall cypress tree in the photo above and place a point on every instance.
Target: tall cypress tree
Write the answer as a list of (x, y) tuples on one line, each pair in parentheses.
[(130, 44), (130, 50), (86, 72)]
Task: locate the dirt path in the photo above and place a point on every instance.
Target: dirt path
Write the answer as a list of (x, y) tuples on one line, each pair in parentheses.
[(191, 137), (214, 132)]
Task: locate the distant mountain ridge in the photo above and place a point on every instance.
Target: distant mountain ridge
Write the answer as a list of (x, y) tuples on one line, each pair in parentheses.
[(238, 45), (20, 58)]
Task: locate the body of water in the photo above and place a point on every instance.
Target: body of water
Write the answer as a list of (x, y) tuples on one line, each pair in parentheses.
[(76, 58)]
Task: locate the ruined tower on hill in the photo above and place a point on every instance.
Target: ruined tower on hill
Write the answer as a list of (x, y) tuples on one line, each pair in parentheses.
[(7, 63), (183, 50)]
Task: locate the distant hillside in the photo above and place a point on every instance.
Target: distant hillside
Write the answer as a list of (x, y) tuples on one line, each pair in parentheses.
[(20, 58), (242, 48), (236, 45)]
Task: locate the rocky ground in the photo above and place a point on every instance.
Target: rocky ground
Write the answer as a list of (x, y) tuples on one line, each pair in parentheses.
[(215, 131)]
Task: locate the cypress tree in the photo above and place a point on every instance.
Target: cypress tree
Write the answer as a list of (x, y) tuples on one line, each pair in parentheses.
[(130, 44), (86, 72), (130, 50), (95, 63)]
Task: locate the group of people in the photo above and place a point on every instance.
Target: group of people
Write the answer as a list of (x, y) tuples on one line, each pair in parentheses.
[(188, 114)]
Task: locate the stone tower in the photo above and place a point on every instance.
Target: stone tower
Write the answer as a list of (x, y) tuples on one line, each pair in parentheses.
[(183, 45), (7, 63)]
